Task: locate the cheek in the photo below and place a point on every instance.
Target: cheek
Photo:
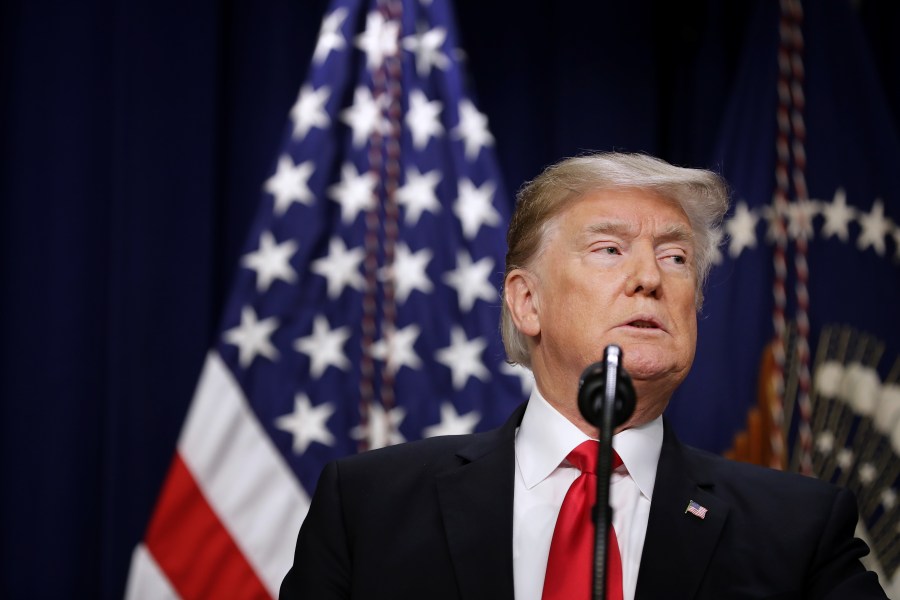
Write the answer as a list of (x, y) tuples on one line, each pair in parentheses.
[(569, 316), (690, 335), (686, 314), (561, 291)]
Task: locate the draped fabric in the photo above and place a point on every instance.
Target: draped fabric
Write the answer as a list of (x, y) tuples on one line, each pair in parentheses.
[(136, 137)]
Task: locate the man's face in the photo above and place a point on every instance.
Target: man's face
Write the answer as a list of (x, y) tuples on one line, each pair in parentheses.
[(617, 268)]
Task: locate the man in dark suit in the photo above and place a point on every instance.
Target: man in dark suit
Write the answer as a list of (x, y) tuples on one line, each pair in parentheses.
[(602, 249)]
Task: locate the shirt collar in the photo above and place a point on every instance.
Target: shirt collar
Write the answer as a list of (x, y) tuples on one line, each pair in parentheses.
[(545, 437), (639, 448)]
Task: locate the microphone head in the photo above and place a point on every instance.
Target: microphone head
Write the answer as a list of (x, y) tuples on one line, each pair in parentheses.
[(592, 390)]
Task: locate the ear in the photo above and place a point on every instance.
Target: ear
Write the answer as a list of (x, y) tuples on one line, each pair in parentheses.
[(520, 295)]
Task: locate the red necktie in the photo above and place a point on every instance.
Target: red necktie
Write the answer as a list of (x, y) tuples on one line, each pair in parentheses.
[(570, 566)]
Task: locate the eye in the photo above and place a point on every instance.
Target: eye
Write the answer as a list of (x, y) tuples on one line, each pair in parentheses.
[(676, 257), (680, 260), (612, 250)]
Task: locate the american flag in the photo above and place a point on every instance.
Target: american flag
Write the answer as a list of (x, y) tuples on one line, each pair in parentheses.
[(365, 310), (696, 510)]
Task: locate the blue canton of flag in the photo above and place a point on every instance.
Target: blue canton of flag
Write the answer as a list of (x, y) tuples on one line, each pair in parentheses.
[(366, 312)]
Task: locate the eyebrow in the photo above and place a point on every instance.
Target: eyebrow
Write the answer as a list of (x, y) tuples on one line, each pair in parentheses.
[(673, 232)]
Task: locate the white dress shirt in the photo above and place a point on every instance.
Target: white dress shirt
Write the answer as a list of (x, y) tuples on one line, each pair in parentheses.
[(543, 476)]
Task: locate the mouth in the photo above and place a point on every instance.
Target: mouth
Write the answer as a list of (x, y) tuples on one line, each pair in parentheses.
[(645, 323)]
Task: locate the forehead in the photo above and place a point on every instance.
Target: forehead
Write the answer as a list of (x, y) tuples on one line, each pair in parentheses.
[(622, 208), (627, 202)]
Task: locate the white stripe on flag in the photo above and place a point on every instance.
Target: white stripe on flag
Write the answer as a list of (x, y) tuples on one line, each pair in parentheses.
[(145, 579), (245, 479)]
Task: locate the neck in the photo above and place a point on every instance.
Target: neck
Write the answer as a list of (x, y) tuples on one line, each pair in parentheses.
[(651, 401)]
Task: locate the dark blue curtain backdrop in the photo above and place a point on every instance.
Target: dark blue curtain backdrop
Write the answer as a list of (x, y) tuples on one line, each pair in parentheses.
[(134, 140)]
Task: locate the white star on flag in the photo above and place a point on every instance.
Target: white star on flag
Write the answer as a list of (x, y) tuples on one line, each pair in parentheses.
[(741, 228), (340, 267), (874, 228), (408, 272), (354, 192), (396, 349), (330, 37), (474, 207), (418, 194), (800, 219), (309, 110), (426, 46), (837, 216), (380, 39), (472, 129), (774, 230), (382, 427), (364, 116), (463, 357), (307, 423), (452, 423), (271, 261), (423, 118), (324, 347), (471, 280), (289, 184), (252, 337)]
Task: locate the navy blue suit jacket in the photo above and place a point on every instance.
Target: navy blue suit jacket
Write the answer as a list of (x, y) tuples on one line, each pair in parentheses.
[(433, 519)]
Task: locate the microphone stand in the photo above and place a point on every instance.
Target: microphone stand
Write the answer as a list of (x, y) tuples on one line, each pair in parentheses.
[(606, 398)]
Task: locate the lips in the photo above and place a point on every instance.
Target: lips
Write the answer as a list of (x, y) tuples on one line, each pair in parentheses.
[(644, 322), (641, 324)]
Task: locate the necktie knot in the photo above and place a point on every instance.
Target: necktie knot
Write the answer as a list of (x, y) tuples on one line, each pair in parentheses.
[(584, 457)]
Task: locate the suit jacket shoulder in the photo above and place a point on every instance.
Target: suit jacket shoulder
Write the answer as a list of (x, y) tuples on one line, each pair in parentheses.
[(763, 533), (426, 519)]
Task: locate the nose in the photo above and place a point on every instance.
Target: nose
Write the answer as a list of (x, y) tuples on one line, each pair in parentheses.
[(644, 276)]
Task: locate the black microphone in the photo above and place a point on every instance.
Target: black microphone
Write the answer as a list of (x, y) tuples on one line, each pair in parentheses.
[(593, 387), (606, 399)]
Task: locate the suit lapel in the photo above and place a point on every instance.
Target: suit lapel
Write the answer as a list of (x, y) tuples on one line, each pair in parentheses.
[(477, 505), (679, 544)]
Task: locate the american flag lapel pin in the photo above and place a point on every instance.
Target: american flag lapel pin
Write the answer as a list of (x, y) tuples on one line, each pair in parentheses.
[(696, 510)]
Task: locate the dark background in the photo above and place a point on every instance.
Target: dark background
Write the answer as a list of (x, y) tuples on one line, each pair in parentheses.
[(135, 139)]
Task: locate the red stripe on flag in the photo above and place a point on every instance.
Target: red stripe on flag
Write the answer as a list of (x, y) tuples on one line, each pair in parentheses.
[(193, 548)]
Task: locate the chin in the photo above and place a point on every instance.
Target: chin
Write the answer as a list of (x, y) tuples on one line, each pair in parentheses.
[(652, 366), (641, 359)]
